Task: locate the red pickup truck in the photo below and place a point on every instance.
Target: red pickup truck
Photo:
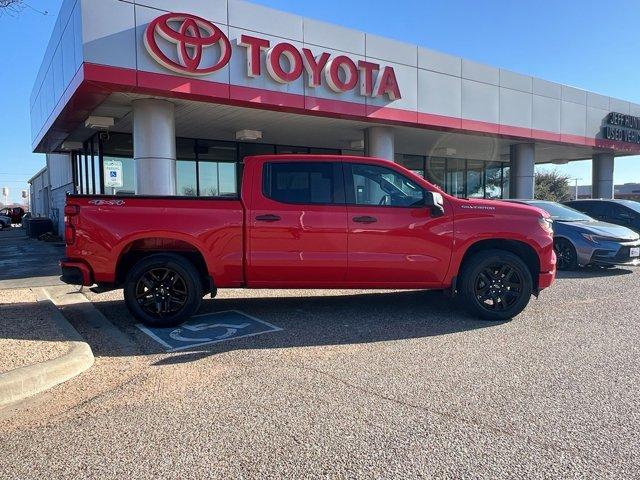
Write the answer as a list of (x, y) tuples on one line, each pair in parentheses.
[(306, 221)]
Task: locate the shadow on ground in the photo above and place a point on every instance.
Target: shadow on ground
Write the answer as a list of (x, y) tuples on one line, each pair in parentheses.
[(593, 272), (305, 321), (341, 320)]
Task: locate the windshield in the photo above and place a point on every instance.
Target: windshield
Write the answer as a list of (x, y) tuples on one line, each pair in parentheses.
[(561, 213)]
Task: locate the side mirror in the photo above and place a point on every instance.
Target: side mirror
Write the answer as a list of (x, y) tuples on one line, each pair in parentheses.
[(435, 202)]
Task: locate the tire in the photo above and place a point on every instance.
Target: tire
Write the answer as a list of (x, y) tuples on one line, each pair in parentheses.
[(566, 254), (163, 290), (496, 285)]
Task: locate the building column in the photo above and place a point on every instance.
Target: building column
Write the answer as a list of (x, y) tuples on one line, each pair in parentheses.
[(154, 146), (602, 175), (522, 171), (379, 142)]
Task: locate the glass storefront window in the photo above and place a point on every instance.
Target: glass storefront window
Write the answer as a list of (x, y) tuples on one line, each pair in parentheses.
[(119, 147), (212, 168), (186, 178), (249, 149), (493, 180), (208, 179), (456, 177), (128, 177), (505, 181), (212, 150), (88, 189), (186, 173), (227, 183), (436, 170), (285, 150), (475, 179), (415, 163), (94, 149), (78, 172), (324, 151)]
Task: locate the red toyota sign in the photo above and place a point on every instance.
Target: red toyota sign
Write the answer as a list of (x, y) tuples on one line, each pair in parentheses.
[(191, 35)]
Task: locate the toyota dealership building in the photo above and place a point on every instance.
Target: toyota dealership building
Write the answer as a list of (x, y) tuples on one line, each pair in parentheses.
[(157, 97)]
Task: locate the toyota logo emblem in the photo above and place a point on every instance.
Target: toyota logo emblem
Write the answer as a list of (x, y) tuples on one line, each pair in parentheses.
[(190, 35)]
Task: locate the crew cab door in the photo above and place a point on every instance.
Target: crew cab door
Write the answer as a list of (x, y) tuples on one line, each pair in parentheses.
[(394, 239), (297, 224)]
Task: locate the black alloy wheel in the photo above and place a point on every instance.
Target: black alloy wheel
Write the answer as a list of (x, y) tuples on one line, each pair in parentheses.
[(163, 290), (495, 284), (567, 258), (498, 286)]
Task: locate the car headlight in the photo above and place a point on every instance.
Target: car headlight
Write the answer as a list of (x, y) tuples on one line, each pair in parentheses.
[(546, 224), (597, 238)]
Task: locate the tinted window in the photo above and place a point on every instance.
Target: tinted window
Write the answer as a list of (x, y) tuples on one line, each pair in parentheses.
[(561, 212), (302, 182), (373, 185), (595, 209)]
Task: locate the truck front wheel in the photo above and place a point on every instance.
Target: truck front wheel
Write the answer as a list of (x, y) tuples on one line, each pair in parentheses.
[(163, 290), (496, 285)]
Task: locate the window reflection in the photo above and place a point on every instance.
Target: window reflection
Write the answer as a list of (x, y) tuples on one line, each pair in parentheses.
[(475, 179), (186, 178)]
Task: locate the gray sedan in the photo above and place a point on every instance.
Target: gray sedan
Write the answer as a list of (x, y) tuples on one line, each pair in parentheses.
[(580, 240)]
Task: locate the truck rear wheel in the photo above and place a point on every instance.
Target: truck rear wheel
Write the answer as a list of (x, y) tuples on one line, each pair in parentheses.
[(163, 290), (496, 285)]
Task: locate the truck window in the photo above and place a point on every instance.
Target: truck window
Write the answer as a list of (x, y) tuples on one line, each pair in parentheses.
[(303, 182), (373, 185)]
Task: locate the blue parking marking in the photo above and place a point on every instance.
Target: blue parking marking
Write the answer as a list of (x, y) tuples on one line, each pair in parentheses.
[(208, 329)]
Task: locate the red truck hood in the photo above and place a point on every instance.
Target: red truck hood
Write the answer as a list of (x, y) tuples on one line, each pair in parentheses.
[(497, 206)]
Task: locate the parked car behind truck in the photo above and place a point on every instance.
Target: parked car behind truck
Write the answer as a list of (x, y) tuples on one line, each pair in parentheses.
[(619, 212), (580, 240), (309, 222)]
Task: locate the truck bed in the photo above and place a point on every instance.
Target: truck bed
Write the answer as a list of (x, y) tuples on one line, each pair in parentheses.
[(108, 227)]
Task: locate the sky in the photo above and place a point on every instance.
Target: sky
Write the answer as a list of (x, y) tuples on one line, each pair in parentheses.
[(589, 44)]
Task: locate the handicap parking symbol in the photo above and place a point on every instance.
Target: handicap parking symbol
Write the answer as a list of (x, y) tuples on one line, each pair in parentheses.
[(208, 329)]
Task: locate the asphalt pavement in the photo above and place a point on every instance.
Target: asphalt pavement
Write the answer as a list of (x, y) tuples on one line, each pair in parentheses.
[(26, 262), (356, 384)]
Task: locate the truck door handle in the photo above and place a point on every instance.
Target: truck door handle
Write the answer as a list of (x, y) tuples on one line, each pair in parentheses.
[(268, 218), (365, 219)]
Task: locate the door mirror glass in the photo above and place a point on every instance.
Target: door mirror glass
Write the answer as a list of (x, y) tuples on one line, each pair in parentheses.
[(435, 202)]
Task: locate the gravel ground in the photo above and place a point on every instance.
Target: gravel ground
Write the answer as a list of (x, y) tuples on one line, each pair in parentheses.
[(27, 334), (358, 385)]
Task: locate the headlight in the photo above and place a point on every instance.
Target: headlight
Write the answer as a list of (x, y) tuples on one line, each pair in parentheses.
[(597, 238), (546, 224)]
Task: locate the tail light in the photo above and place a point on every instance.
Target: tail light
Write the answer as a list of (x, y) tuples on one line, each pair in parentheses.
[(70, 217)]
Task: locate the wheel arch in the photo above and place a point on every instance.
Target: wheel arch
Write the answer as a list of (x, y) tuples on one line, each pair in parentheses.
[(136, 250), (522, 249)]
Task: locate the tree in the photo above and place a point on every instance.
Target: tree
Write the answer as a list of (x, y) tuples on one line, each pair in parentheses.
[(553, 186), (11, 7)]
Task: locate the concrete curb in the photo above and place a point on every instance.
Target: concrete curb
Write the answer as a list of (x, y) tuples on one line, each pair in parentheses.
[(23, 382)]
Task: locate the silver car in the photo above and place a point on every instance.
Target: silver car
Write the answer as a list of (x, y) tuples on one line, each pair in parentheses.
[(580, 240)]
